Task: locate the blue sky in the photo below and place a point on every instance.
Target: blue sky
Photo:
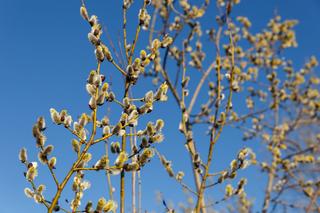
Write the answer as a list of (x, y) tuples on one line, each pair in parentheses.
[(44, 61)]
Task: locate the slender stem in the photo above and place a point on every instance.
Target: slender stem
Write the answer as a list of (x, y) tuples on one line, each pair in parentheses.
[(123, 148), (53, 175), (101, 139), (108, 174), (199, 86), (119, 68), (86, 169), (139, 193), (133, 178), (313, 200), (122, 180), (272, 173), (213, 137), (119, 57), (205, 75), (76, 134), (273, 167), (124, 28), (51, 171), (153, 23), (118, 102), (267, 197), (189, 139), (184, 69), (136, 37), (190, 142), (171, 87)]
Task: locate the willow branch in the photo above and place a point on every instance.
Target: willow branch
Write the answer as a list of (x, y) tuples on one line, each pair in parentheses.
[(75, 165)]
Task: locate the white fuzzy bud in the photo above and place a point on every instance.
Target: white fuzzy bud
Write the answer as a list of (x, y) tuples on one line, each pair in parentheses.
[(99, 53), (23, 155), (84, 13), (93, 103), (93, 39)]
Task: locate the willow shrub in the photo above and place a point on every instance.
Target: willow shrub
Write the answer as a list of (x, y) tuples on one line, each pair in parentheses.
[(281, 103)]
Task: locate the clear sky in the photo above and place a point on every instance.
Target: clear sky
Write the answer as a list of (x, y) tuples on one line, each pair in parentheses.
[(44, 61)]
